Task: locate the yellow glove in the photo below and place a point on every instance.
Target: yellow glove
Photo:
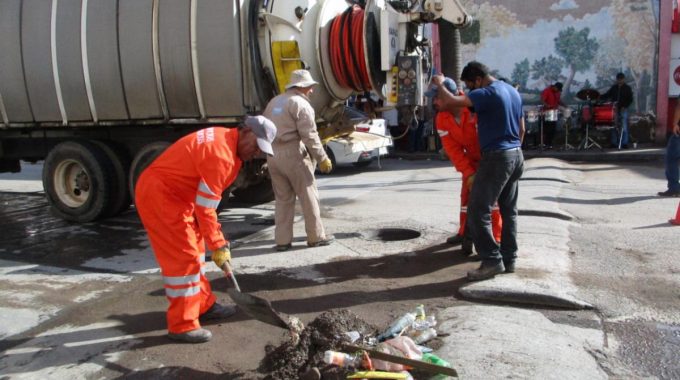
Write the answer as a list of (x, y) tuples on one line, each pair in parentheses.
[(470, 181), (325, 166), (221, 256)]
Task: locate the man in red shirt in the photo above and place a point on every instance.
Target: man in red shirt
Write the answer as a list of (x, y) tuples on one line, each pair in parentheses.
[(458, 133), (550, 97)]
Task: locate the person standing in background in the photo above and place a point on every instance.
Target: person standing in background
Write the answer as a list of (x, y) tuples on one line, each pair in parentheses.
[(672, 158), (622, 94), (297, 148), (551, 100)]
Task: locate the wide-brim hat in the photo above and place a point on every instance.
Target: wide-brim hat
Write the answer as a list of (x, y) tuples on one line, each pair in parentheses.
[(265, 130), (450, 85), (301, 78)]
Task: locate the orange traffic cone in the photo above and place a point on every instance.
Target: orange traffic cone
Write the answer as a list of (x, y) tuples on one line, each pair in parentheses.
[(676, 221)]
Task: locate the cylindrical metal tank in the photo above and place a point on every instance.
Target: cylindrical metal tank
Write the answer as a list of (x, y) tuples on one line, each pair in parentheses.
[(108, 61)]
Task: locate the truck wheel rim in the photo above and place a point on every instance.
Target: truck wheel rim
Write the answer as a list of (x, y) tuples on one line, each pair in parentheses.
[(71, 183)]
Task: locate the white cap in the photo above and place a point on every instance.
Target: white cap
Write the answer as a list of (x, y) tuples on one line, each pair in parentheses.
[(300, 78), (265, 130)]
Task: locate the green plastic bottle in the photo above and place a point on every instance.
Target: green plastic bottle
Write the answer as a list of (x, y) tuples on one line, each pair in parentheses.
[(434, 359)]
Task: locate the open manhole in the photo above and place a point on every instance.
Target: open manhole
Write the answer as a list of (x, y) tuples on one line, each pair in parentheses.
[(392, 234)]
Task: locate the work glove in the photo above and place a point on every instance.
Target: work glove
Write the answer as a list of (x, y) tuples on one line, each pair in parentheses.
[(470, 181), (325, 166), (221, 256)]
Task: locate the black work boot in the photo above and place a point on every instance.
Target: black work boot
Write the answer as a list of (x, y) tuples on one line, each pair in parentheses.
[(509, 266), (486, 271), (467, 246), (455, 239)]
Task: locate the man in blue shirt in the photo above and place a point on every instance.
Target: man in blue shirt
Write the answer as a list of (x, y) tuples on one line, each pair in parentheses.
[(499, 110)]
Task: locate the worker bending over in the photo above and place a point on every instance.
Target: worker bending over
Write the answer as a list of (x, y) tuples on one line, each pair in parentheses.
[(176, 198)]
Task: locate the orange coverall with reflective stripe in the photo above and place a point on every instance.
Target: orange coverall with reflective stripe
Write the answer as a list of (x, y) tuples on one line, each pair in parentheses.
[(462, 146), (176, 198)]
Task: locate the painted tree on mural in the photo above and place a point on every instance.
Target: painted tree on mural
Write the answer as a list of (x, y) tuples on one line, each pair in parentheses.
[(636, 25), (520, 74), (608, 61), (578, 51), (547, 69)]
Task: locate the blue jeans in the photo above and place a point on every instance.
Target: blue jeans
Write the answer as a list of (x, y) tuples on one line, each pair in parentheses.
[(496, 180), (622, 122), (673, 163)]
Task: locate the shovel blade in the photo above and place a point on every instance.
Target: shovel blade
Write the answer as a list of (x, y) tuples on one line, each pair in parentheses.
[(258, 308)]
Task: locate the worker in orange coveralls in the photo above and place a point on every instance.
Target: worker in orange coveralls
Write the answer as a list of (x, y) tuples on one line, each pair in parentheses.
[(176, 198), (457, 130)]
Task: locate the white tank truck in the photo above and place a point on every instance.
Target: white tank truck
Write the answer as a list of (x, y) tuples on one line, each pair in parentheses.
[(98, 88)]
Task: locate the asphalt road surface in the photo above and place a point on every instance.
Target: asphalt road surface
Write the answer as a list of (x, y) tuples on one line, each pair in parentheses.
[(86, 300)]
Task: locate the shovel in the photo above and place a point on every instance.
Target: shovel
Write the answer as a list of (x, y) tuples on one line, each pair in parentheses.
[(256, 307)]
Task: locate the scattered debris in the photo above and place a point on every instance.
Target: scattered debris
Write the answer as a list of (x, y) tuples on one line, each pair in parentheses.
[(304, 359)]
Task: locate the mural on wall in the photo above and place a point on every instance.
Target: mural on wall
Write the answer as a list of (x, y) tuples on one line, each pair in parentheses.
[(581, 43)]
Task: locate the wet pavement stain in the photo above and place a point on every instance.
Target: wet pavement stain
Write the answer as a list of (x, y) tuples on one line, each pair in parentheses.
[(30, 234)]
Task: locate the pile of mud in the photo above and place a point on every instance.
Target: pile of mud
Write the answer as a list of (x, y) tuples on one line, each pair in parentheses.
[(302, 360)]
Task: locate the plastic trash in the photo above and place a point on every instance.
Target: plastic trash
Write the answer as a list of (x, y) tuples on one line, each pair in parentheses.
[(353, 336), (397, 326), (425, 335), (341, 359)]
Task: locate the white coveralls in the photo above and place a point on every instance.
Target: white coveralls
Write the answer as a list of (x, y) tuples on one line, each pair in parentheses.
[(292, 168)]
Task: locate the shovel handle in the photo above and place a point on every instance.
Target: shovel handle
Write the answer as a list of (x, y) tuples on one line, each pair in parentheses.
[(230, 274)]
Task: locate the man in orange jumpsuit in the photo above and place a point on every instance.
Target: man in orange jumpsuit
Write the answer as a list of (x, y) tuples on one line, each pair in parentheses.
[(176, 198), (458, 133)]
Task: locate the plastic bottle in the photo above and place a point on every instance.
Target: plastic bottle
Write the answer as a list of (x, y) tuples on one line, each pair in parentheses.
[(341, 359), (397, 326), (420, 313), (434, 359), (425, 335), (424, 324)]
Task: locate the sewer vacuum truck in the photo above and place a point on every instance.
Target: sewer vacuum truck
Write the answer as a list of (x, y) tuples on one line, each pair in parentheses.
[(98, 88)]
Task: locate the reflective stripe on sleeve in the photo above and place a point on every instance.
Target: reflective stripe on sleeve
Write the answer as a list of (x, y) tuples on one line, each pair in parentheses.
[(202, 187), (463, 209), (202, 260), (185, 292), (181, 280), (442, 133), (206, 202)]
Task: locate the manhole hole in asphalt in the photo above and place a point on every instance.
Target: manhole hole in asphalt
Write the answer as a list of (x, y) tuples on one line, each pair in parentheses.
[(392, 234)]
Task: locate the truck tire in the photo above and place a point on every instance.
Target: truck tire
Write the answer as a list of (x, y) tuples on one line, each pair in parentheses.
[(261, 192), (142, 159), (77, 181), (120, 162)]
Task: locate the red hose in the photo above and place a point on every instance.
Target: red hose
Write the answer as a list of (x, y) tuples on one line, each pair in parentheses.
[(347, 50)]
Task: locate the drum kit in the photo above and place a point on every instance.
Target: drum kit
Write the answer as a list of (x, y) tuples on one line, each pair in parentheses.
[(591, 115), (536, 116), (594, 114)]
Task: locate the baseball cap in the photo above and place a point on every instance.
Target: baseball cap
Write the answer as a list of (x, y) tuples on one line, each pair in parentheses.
[(448, 83), (265, 130)]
